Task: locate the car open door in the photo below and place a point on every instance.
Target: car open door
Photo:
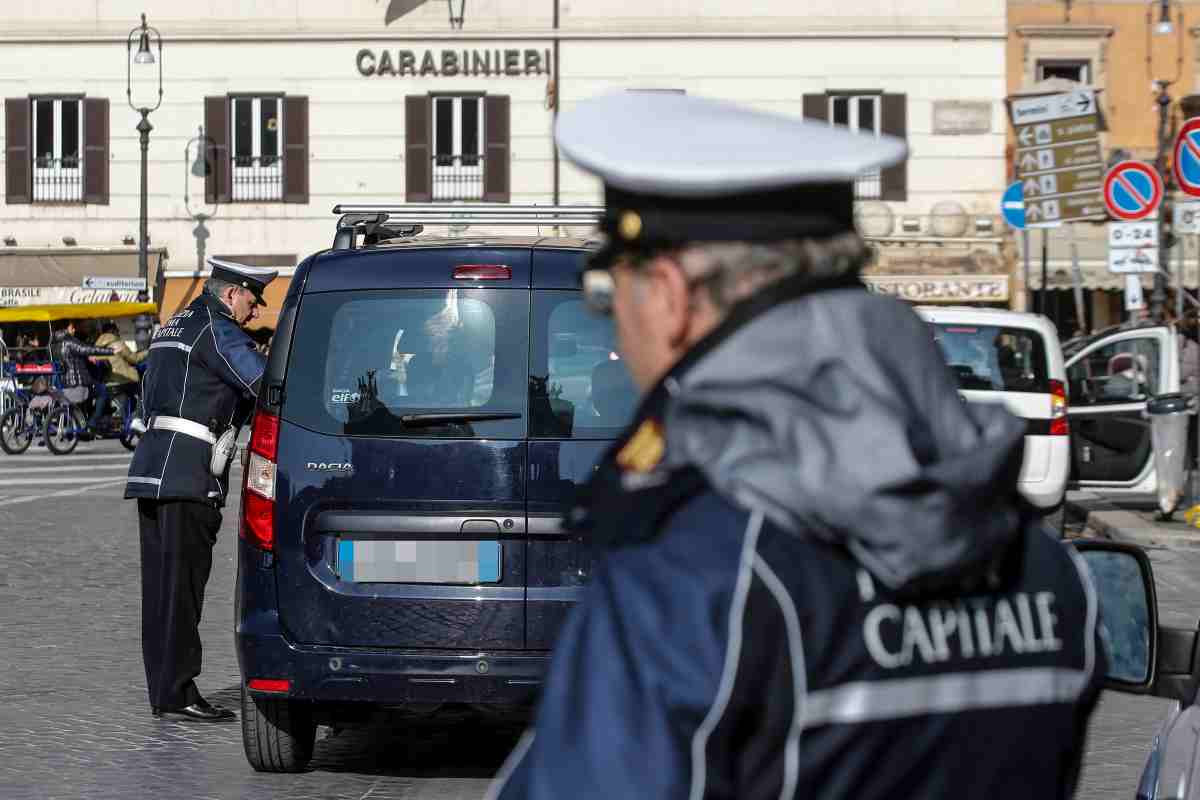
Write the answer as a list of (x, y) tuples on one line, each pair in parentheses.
[(1109, 381)]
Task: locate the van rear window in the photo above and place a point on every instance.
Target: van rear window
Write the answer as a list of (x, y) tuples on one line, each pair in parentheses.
[(992, 358), (380, 363)]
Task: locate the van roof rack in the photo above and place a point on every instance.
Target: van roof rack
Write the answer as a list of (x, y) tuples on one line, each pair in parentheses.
[(401, 221)]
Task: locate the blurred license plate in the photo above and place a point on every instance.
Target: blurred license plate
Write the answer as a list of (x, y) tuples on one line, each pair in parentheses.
[(362, 561)]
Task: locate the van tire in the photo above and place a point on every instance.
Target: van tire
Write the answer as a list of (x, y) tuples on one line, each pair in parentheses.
[(278, 735)]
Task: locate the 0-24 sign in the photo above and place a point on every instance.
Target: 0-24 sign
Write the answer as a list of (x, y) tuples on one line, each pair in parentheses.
[(1133, 234)]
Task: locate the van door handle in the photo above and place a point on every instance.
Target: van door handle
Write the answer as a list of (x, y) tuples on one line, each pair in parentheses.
[(419, 524)]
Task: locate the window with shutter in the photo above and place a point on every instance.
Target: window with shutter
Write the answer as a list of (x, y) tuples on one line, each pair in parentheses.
[(870, 112), (17, 163), (418, 164), (216, 126), (57, 157), (95, 150), (257, 125), (496, 155), (295, 147)]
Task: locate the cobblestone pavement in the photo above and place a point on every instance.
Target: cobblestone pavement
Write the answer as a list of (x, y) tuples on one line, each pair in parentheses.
[(74, 720)]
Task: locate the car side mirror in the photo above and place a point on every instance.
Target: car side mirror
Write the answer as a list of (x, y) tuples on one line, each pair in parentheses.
[(1143, 658), (1128, 607)]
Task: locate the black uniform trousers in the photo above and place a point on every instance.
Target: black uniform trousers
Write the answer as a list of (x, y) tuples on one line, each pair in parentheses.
[(177, 541)]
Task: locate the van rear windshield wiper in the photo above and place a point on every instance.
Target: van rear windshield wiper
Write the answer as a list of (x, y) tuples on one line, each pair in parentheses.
[(443, 418)]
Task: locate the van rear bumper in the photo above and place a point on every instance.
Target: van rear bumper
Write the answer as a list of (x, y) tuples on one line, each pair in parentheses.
[(392, 677)]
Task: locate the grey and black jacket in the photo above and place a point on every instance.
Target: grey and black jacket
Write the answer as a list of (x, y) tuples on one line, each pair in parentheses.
[(73, 354), (203, 369), (827, 586)]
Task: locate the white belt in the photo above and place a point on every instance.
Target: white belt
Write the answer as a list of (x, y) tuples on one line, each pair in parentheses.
[(186, 427)]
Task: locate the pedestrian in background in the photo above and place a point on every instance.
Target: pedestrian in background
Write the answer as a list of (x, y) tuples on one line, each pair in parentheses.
[(815, 575), (201, 381)]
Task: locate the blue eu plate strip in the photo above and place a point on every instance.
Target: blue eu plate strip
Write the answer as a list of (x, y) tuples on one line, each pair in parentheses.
[(346, 559)]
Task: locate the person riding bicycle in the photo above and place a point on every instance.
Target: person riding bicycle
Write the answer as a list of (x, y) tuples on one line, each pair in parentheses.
[(77, 381), (124, 377)]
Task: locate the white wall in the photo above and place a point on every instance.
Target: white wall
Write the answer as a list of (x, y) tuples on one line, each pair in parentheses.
[(356, 123)]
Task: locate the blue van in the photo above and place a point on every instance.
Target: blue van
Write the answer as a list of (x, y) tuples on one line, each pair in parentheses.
[(428, 408)]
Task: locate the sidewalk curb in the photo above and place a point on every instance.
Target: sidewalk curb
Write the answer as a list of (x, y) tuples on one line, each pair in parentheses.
[(1120, 525)]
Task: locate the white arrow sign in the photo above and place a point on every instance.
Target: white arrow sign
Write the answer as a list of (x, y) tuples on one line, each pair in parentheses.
[(1028, 161), (1029, 187), (1025, 137), (118, 284), (1033, 213)]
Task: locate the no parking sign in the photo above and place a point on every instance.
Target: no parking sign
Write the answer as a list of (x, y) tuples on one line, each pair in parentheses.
[(1132, 190), (1187, 158)]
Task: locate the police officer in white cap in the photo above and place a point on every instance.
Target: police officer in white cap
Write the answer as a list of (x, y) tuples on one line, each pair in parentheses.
[(202, 377), (814, 574)]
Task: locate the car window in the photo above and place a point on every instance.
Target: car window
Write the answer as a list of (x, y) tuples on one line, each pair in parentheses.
[(1119, 372), (994, 358), (578, 385), (361, 361)]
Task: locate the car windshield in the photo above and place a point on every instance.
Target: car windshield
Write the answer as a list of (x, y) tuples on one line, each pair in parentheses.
[(992, 358)]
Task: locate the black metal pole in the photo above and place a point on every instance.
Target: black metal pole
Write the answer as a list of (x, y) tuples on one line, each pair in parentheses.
[(1045, 272), (141, 325), (1158, 297)]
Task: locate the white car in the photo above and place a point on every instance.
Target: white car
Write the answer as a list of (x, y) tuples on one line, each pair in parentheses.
[(1014, 358)]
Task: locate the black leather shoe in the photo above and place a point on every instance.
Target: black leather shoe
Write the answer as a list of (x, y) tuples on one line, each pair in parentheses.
[(200, 712)]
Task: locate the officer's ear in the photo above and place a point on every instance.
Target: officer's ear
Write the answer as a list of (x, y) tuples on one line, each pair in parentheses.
[(671, 297)]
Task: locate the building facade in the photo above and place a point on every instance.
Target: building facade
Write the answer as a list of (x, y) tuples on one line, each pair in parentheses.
[(273, 112), (1121, 49)]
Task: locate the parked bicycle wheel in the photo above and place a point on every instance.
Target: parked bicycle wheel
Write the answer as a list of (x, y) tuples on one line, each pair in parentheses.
[(64, 422), (17, 429)]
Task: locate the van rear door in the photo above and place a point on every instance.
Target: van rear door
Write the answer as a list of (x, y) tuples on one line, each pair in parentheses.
[(400, 517)]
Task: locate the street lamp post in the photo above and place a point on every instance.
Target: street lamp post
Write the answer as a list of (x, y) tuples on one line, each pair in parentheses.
[(144, 56)]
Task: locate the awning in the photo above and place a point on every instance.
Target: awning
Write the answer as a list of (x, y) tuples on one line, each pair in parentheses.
[(68, 266), (53, 313)]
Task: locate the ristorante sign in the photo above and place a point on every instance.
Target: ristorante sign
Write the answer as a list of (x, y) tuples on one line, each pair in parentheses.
[(448, 63), (941, 288)]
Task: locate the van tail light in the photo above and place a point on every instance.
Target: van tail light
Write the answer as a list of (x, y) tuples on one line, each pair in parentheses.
[(1058, 409), (258, 490), (282, 685)]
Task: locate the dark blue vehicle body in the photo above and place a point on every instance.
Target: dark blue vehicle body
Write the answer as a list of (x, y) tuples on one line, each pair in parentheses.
[(300, 614)]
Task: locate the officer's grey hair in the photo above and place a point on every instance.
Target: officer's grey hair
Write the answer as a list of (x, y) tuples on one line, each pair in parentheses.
[(215, 286), (732, 271)]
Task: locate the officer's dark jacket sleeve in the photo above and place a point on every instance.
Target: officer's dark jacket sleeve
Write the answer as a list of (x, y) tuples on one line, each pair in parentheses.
[(635, 687), (234, 356)]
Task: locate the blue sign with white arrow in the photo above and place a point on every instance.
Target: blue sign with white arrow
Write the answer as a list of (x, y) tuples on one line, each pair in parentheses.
[(1012, 206)]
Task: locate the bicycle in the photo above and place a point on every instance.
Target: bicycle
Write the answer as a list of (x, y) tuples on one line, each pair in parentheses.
[(26, 419), (65, 423)]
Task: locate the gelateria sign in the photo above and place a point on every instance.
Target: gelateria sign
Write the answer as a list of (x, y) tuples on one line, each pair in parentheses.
[(46, 295), (941, 288), (449, 63)]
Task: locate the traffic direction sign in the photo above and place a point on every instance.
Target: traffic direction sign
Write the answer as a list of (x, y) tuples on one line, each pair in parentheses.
[(1133, 259), (1187, 158), (1058, 159), (1132, 190), (127, 284), (1012, 206), (1134, 299)]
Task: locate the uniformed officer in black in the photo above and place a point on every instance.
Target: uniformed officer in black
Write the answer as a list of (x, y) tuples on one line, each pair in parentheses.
[(814, 575), (202, 377)]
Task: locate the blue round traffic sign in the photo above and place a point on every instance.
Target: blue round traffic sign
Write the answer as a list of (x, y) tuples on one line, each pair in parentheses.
[(1012, 206), (1132, 190), (1187, 157)]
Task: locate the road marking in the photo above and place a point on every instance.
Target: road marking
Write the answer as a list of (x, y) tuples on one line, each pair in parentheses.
[(88, 467), (64, 493), (69, 458), (53, 481)]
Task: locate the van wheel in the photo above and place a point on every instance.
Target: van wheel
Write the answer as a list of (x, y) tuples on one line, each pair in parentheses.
[(277, 734)]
